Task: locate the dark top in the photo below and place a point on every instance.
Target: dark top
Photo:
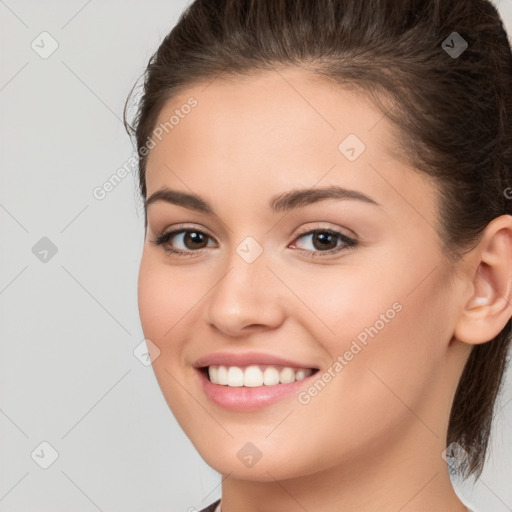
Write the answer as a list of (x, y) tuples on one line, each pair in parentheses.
[(211, 508)]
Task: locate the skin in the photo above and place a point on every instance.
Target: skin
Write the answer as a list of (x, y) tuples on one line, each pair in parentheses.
[(372, 439)]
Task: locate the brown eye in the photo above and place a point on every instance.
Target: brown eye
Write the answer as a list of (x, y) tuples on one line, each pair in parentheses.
[(194, 239), (191, 241), (325, 241)]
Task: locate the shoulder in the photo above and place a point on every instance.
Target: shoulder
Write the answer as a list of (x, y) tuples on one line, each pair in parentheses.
[(211, 508)]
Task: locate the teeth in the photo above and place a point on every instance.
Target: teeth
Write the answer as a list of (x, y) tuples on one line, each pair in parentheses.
[(301, 374), (213, 371), (270, 376), (254, 376), (286, 376), (235, 377), (222, 375)]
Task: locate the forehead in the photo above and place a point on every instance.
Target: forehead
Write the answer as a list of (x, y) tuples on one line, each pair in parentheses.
[(283, 104), (275, 129)]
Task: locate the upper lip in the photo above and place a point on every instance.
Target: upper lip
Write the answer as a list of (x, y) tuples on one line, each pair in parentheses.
[(247, 359)]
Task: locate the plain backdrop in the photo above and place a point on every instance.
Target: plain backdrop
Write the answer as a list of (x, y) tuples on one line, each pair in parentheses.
[(74, 398)]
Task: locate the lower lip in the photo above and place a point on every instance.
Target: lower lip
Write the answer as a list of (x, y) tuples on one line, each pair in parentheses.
[(246, 399)]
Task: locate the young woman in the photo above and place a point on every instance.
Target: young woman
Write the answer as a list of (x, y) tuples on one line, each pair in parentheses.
[(326, 279)]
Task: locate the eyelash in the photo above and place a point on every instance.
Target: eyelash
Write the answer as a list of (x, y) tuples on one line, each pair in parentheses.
[(163, 238)]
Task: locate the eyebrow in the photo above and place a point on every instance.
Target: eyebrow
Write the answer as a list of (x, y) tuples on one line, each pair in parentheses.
[(279, 203)]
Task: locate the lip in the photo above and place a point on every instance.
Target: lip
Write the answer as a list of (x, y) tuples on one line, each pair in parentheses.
[(245, 399), (247, 359)]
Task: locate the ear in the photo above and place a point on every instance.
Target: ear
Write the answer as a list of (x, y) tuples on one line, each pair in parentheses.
[(489, 306)]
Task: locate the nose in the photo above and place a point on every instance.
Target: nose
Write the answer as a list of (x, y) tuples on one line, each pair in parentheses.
[(246, 298)]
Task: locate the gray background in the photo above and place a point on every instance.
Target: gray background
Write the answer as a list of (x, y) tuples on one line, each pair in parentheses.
[(69, 320)]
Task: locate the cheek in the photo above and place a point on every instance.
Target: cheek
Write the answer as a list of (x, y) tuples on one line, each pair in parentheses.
[(163, 298), (154, 301), (163, 303), (378, 390), (340, 302), (388, 332), (394, 350)]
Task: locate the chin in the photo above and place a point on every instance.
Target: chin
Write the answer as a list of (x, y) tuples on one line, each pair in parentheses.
[(262, 471), (271, 463)]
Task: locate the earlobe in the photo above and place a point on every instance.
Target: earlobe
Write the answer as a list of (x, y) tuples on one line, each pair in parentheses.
[(489, 308)]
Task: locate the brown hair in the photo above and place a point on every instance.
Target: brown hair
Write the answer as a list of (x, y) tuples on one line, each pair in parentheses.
[(453, 114)]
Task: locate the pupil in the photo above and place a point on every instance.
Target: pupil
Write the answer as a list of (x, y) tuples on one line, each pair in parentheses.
[(193, 237), (324, 237)]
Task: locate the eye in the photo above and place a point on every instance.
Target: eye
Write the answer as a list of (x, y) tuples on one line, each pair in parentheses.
[(325, 241), (194, 241)]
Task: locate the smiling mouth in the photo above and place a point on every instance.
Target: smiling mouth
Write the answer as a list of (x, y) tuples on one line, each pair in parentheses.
[(254, 376)]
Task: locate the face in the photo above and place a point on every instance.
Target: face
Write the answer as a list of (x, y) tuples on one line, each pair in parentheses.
[(328, 309)]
